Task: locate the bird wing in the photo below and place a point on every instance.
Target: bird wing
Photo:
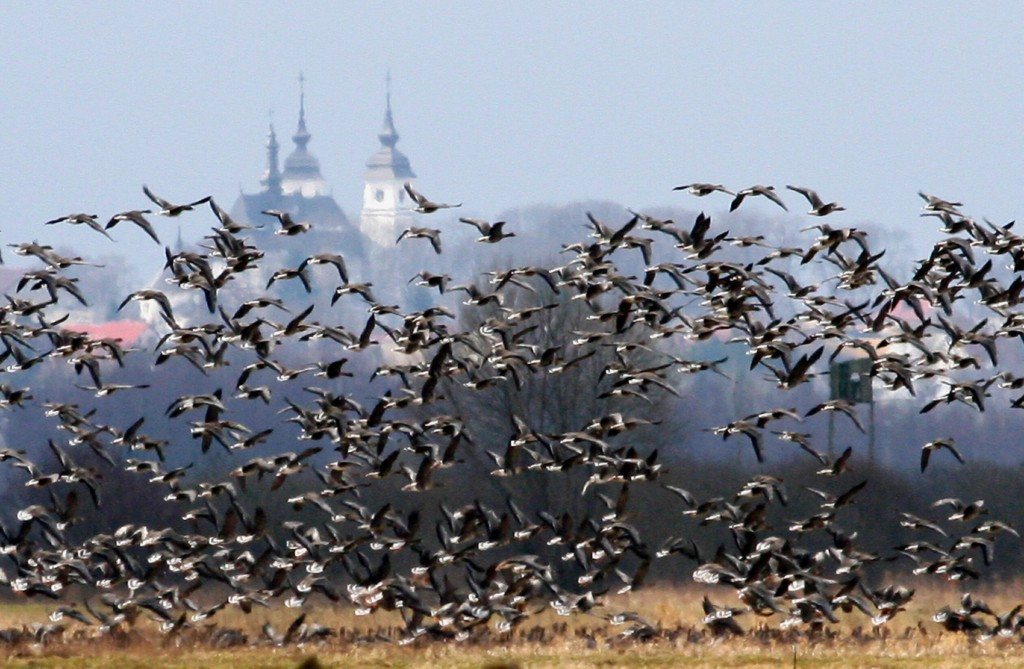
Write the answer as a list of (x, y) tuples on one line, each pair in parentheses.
[(483, 226), (417, 197), (774, 197), (811, 196), (156, 198)]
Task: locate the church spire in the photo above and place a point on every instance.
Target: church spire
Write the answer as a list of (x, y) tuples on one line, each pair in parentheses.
[(301, 172), (302, 136), (389, 162), (272, 178), (388, 135), (386, 206)]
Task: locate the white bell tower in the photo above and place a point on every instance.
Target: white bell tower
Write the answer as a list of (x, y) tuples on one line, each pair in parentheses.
[(387, 208)]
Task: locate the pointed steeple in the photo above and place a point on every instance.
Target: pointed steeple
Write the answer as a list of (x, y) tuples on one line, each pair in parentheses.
[(301, 172), (272, 177), (388, 135), (297, 187), (386, 205), (389, 162), (302, 136)]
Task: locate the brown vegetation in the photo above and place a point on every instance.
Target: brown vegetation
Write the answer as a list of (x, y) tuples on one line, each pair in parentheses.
[(550, 641)]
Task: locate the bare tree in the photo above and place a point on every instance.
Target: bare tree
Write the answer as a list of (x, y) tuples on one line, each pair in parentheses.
[(545, 395)]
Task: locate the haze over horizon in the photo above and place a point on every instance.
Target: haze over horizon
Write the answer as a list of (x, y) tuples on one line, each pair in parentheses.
[(507, 106), (548, 412)]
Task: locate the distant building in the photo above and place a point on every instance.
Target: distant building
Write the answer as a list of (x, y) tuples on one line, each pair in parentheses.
[(301, 190), (387, 208), (298, 187)]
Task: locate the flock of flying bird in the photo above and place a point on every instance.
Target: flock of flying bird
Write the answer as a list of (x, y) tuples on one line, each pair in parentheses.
[(475, 570)]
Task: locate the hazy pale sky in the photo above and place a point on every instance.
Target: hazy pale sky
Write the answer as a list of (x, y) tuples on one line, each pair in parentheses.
[(508, 104)]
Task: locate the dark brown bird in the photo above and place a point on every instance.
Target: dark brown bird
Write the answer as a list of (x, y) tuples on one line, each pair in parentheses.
[(413, 232), (169, 209), (764, 191), (335, 259), (842, 406), (938, 444), (137, 217), (81, 219), (937, 204), (491, 233), (227, 223), (818, 208), (701, 189), (424, 205), (961, 511), (288, 226), (150, 294), (839, 465), (439, 281)]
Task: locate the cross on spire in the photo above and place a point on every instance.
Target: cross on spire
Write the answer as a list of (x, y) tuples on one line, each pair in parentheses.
[(388, 135), (301, 136)]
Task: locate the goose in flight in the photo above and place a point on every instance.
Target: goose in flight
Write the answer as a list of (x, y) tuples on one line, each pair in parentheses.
[(433, 234), (227, 223), (701, 189), (327, 259), (491, 233), (818, 208), (425, 206), (765, 191), (938, 444), (136, 216), (81, 219), (169, 209), (150, 294), (937, 204), (288, 226)]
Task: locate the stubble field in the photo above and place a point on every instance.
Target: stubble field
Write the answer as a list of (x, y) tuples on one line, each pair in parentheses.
[(912, 639)]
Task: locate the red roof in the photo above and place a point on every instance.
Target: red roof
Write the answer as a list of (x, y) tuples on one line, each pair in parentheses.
[(127, 332)]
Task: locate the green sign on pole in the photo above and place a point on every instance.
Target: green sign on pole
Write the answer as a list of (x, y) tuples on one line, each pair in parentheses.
[(851, 381)]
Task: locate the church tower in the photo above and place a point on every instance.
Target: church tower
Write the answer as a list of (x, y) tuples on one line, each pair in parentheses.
[(271, 181), (301, 190), (301, 174), (387, 208)]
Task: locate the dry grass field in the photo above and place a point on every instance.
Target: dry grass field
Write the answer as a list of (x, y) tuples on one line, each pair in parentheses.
[(568, 655), (547, 640)]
